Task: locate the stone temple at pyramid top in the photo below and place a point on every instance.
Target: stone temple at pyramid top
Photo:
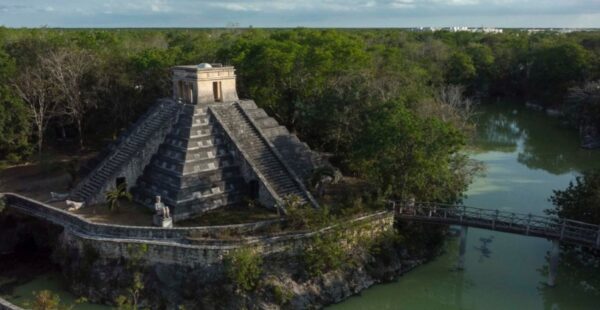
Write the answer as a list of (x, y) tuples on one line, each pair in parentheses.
[(204, 84)]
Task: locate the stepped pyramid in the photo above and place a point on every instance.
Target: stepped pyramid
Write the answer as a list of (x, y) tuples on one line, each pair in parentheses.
[(203, 149)]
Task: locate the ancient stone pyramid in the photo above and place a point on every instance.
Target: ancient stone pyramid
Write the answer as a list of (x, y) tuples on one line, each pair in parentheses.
[(201, 150)]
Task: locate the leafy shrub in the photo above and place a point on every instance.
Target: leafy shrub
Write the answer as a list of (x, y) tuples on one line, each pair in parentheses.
[(46, 300), (137, 253), (325, 253), (282, 294), (385, 245), (243, 267), (307, 217), (131, 301)]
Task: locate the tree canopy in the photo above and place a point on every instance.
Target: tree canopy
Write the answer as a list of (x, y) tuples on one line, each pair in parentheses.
[(368, 97)]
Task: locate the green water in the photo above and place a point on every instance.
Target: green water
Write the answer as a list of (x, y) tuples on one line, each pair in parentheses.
[(527, 155), (23, 295)]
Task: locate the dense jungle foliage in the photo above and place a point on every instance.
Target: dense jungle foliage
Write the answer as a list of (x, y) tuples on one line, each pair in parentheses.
[(387, 104)]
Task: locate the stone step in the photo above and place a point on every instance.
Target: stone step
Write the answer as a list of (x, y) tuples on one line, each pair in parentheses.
[(260, 153), (130, 144)]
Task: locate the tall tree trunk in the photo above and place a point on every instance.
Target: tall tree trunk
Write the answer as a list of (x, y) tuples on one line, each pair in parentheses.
[(80, 134), (40, 142)]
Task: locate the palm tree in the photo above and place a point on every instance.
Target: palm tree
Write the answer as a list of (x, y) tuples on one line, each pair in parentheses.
[(114, 196)]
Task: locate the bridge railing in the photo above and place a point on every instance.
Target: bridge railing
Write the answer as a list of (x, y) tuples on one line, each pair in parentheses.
[(527, 224)]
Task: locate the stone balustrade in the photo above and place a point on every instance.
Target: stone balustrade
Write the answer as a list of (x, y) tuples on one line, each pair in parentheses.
[(77, 223), (183, 236)]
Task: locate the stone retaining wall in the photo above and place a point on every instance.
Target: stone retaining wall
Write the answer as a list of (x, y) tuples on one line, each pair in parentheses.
[(170, 245), (150, 246), (5, 305), (170, 252), (76, 223)]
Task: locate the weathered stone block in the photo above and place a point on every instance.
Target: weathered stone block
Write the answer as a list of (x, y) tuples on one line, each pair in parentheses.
[(160, 221)]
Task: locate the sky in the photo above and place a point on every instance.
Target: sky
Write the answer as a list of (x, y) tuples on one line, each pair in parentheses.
[(300, 13)]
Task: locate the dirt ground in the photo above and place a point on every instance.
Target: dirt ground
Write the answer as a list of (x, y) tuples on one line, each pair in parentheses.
[(128, 213), (36, 182)]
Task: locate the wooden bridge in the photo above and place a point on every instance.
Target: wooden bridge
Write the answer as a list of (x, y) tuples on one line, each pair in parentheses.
[(553, 228)]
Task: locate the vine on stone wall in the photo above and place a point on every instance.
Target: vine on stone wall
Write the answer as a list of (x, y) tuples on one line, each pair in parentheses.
[(136, 254)]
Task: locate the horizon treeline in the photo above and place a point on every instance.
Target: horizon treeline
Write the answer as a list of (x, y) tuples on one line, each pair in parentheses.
[(358, 94)]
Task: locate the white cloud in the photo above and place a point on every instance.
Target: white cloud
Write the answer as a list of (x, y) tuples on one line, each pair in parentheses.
[(457, 2), (289, 5), (134, 6), (403, 4), (159, 6), (318, 13), (239, 7)]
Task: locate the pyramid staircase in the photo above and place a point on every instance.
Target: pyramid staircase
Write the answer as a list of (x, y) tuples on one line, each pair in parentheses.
[(102, 177), (193, 170), (260, 152), (296, 154)]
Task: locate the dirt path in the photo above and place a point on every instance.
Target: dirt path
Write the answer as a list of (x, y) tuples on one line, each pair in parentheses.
[(31, 181)]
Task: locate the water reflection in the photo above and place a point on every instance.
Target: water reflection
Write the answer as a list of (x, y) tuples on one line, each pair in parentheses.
[(527, 155), (577, 284), (541, 142), (498, 131), (484, 250)]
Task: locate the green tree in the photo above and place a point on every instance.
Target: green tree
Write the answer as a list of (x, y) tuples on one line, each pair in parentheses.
[(582, 107), (556, 67), (152, 74), (15, 127), (292, 68), (411, 156), (461, 69), (14, 119), (580, 201), (483, 60)]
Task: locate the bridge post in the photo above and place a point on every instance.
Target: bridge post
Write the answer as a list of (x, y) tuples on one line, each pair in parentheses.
[(495, 219), (553, 267), (462, 248)]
